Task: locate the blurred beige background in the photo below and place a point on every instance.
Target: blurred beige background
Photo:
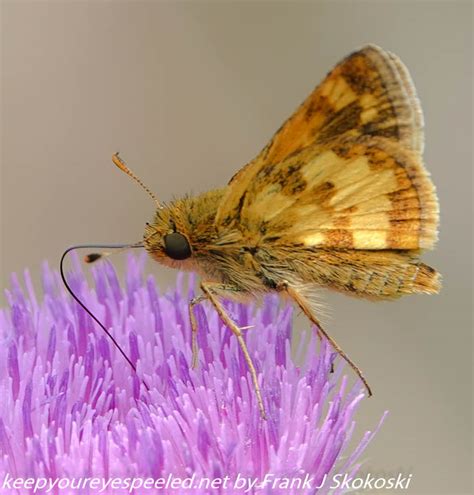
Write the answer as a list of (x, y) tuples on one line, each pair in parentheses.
[(188, 92)]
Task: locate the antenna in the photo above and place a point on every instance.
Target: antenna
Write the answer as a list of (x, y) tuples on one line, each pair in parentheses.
[(91, 257), (121, 165)]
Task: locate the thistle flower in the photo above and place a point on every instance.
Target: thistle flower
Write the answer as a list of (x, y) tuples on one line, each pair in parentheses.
[(71, 408)]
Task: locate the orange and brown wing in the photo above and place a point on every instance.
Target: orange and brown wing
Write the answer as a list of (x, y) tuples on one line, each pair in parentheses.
[(366, 193), (345, 170)]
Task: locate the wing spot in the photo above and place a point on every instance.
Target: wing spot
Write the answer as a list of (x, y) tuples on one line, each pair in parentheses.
[(324, 192)]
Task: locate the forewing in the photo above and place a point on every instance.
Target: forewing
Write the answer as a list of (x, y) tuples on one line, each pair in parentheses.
[(368, 94)]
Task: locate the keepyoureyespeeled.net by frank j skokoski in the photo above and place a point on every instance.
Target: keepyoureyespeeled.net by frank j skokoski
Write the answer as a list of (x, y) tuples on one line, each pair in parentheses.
[(239, 483)]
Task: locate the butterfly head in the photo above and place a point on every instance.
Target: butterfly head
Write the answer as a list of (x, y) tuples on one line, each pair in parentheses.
[(167, 239)]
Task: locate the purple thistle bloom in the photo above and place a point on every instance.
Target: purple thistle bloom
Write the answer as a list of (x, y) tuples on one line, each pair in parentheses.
[(71, 408)]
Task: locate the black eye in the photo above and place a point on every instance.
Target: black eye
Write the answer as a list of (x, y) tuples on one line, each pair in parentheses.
[(177, 246)]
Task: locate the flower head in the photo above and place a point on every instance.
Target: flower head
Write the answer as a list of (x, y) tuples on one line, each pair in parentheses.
[(72, 408)]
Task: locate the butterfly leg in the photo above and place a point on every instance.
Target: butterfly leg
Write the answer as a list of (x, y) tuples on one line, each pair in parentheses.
[(318, 332), (210, 290), (300, 300), (192, 318)]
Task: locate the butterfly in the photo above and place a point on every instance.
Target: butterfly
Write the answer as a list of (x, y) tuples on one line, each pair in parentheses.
[(339, 198)]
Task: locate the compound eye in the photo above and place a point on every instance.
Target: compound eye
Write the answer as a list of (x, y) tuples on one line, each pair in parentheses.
[(177, 246)]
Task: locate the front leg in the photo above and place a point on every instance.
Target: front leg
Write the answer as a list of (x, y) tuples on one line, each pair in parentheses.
[(211, 291), (194, 326), (192, 318)]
